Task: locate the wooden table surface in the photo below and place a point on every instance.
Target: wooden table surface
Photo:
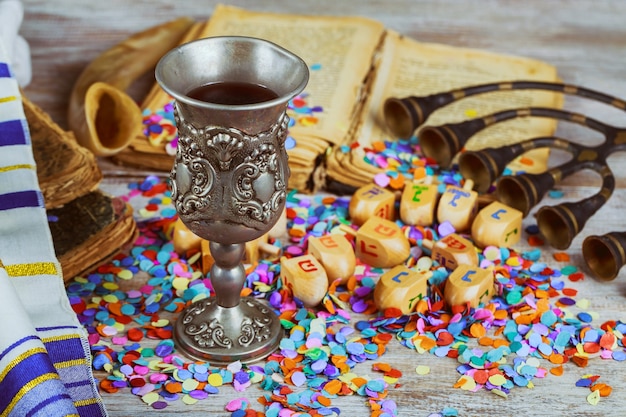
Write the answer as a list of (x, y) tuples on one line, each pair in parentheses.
[(585, 40)]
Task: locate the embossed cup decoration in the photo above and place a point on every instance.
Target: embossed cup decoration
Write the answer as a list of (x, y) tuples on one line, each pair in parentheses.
[(229, 178)]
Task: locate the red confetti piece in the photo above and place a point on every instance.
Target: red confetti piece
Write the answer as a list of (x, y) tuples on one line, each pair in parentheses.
[(576, 276)]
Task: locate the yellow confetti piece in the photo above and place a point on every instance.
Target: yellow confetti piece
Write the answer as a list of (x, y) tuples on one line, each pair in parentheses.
[(593, 398), (190, 384), (160, 323), (418, 347), (189, 400), (583, 303), (466, 383), (125, 274), (422, 370), (513, 261), (390, 380), (110, 286), (180, 283), (120, 327), (499, 393), (497, 380), (193, 258), (534, 362), (199, 297), (150, 398), (216, 380), (110, 298)]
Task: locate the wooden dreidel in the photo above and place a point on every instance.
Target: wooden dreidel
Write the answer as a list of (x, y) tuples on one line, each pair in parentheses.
[(184, 239), (469, 284), (280, 228), (417, 204), (254, 248), (305, 277), (380, 243), (371, 200), (336, 255), (452, 250), (402, 288), (458, 206), (207, 258), (497, 224)]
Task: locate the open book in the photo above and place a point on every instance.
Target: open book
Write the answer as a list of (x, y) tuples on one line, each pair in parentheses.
[(356, 63)]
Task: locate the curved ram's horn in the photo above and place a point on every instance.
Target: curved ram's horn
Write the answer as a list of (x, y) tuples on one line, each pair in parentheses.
[(102, 116)]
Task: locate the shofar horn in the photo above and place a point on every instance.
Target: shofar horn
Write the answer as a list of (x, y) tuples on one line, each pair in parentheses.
[(102, 116)]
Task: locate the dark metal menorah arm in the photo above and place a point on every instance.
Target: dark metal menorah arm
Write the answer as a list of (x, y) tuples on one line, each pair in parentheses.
[(558, 224)]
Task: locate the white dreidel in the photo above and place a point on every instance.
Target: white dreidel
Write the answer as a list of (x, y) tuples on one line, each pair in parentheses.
[(497, 224), (335, 253), (452, 250), (371, 200), (402, 288), (458, 206), (469, 284), (380, 243), (305, 277), (418, 202)]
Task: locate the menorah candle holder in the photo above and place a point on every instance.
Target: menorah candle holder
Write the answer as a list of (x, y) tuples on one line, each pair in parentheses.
[(229, 178), (559, 224)]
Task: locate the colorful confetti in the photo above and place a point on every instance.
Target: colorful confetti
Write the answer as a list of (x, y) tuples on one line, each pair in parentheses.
[(526, 332)]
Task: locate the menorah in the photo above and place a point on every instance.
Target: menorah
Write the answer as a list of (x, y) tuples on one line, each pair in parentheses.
[(559, 224)]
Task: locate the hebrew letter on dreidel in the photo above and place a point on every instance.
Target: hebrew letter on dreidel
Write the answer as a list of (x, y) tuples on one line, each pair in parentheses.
[(336, 255), (417, 204), (452, 250), (468, 284), (497, 225), (458, 206), (305, 277), (371, 200), (401, 288)]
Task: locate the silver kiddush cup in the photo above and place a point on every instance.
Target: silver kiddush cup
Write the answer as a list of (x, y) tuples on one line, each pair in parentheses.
[(229, 180)]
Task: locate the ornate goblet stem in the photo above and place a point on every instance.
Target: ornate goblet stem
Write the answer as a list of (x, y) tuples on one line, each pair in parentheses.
[(229, 178)]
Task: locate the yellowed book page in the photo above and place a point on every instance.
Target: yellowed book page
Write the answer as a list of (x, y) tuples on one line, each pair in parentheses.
[(410, 68), (338, 50)]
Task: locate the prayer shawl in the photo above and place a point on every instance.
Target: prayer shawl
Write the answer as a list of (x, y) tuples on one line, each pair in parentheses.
[(45, 362)]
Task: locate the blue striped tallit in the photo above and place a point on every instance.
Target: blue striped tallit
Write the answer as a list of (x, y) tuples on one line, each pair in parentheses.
[(45, 363)]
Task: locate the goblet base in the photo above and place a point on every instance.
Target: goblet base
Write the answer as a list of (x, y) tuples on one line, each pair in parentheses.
[(248, 332)]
